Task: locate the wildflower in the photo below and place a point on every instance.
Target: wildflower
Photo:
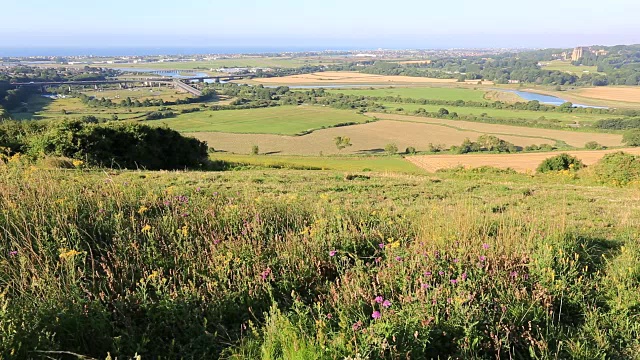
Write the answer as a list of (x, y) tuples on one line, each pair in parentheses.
[(463, 276), (482, 258), (514, 274), (386, 304), (333, 253), (454, 281), (68, 254), (77, 163), (440, 272), (356, 326), (146, 228), (184, 231), (398, 258), (456, 261), (185, 214), (100, 211), (265, 274), (13, 253), (425, 286), (381, 245), (485, 246), (395, 244), (379, 299), (198, 189), (427, 273), (376, 315), (329, 316), (142, 209)]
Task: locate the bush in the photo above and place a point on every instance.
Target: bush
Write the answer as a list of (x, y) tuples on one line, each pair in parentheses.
[(592, 145), (124, 145), (391, 149), (410, 150), (559, 163), (255, 150), (631, 138), (618, 169)]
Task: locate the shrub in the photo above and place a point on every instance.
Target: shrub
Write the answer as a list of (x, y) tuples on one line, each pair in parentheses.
[(410, 150), (559, 163), (618, 169), (592, 145), (631, 138), (391, 149), (125, 145), (255, 150)]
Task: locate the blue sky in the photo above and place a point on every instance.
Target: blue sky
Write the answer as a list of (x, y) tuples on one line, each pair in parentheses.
[(324, 23)]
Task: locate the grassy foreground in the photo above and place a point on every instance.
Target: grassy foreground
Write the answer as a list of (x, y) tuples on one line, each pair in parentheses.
[(276, 264)]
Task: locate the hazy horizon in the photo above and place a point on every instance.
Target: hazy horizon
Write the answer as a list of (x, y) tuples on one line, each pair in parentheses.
[(286, 24)]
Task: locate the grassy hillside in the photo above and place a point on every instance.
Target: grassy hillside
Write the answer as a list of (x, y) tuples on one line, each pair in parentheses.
[(439, 93), (278, 264)]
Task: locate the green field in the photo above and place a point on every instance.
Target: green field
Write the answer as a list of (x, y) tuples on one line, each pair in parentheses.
[(567, 66), (502, 113), (283, 120), (340, 163), (431, 93)]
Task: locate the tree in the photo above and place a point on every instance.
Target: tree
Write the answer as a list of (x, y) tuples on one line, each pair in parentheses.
[(342, 142), (560, 162), (592, 145), (410, 150), (631, 137), (391, 149), (443, 112)]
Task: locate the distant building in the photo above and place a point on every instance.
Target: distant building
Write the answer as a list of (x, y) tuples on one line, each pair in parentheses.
[(578, 53)]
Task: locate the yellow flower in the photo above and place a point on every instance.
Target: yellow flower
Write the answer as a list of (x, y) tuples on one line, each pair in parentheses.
[(395, 244), (68, 254), (146, 228), (142, 209), (184, 231), (77, 163)]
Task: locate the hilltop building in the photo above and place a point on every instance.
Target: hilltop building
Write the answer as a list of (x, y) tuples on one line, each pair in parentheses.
[(578, 53)]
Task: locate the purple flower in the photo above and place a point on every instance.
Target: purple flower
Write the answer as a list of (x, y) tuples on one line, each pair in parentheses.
[(376, 315), (13, 253), (426, 286), (386, 304), (485, 246), (379, 299), (427, 273), (440, 273), (198, 189), (265, 274), (514, 274), (381, 245), (482, 258), (463, 276), (456, 261), (333, 253), (454, 281), (356, 326)]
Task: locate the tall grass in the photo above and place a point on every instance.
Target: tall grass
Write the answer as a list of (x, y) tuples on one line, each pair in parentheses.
[(312, 266)]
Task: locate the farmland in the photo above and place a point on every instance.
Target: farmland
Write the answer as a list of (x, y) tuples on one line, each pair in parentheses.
[(439, 93), (519, 162), (568, 67), (285, 120), (345, 77)]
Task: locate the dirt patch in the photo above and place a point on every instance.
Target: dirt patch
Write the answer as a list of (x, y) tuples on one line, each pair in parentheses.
[(519, 162)]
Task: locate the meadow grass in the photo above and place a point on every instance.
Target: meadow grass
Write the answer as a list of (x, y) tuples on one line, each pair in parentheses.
[(431, 93), (273, 264), (283, 120), (503, 113), (393, 164), (567, 66)]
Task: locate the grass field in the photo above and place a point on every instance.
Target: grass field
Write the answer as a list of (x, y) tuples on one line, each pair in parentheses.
[(283, 120), (567, 118), (431, 93), (117, 95), (566, 66), (274, 264), (339, 163), (519, 162), (346, 78)]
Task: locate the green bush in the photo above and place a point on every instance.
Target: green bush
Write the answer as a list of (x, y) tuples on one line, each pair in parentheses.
[(617, 168), (592, 145), (410, 150), (559, 163), (391, 149), (631, 138), (122, 145)]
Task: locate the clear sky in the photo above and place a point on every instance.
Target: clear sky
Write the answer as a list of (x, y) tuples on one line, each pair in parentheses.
[(323, 24)]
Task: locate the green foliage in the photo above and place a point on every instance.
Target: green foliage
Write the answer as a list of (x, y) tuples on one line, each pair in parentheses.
[(255, 150), (593, 145), (410, 150), (391, 149), (617, 169), (485, 143), (559, 163), (342, 142), (631, 137)]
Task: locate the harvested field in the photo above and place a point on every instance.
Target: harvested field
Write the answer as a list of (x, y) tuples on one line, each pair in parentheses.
[(345, 77), (625, 94), (520, 162), (573, 138), (404, 131)]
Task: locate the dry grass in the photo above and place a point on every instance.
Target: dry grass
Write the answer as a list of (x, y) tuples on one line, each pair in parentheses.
[(345, 77), (519, 162), (625, 94), (366, 139), (573, 138)]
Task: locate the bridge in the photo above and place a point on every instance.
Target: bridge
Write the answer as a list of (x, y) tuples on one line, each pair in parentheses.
[(167, 80), (190, 89)]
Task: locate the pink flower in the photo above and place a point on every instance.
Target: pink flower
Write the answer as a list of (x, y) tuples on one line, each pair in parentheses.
[(463, 276), (356, 326), (426, 286), (329, 316), (485, 246), (381, 245), (427, 273), (398, 258), (376, 315), (440, 273), (514, 274), (483, 258), (456, 261), (333, 253), (379, 299), (454, 281), (386, 304), (13, 253), (265, 274)]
